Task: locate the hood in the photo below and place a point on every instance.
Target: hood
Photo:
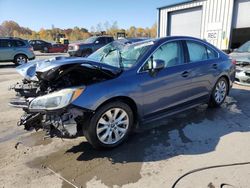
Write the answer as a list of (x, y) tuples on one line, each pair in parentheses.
[(241, 56), (52, 68), (28, 70)]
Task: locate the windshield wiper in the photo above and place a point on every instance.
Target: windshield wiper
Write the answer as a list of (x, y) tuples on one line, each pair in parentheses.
[(120, 57), (106, 54)]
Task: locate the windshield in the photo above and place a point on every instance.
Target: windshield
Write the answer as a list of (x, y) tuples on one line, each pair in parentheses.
[(121, 55), (90, 40), (245, 47)]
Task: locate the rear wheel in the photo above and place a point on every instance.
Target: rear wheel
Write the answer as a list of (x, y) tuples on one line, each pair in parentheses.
[(110, 125), (219, 93), (20, 59)]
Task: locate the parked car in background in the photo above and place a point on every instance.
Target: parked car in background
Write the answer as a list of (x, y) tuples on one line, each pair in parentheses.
[(242, 57), (15, 50), (122, 87), (40, 45), (58, 48), (88, 46)]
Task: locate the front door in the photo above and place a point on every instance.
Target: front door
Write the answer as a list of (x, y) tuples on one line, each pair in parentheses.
[(170, 86)]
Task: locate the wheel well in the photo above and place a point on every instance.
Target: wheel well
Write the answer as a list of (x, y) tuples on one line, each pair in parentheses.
[(127, 101)]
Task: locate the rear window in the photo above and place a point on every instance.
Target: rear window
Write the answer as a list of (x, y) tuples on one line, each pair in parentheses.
[(212, 54), (200, 52)]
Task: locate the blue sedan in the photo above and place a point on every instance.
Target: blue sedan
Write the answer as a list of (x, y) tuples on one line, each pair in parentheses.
[(132, 85)]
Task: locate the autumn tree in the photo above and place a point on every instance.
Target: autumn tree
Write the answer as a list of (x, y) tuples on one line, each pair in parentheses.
[(13, 29)]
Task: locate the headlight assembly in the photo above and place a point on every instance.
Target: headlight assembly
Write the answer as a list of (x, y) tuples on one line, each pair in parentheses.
[(55, 100)]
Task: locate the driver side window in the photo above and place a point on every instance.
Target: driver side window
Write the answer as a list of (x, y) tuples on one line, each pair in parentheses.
[(171, 53)]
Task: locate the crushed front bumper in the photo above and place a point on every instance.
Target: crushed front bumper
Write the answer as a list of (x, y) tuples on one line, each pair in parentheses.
[(64, 123)]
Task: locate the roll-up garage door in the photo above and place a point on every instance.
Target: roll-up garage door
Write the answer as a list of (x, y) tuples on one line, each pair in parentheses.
[(241, 23), (185, 22), (241, 14)]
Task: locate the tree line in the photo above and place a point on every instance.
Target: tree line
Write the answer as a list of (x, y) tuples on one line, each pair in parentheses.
[(13, 29)]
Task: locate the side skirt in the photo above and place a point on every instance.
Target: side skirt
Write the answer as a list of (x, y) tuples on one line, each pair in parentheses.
[(154, 119)]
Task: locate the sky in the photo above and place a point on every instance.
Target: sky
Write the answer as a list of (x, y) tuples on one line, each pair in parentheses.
[(37, 14)]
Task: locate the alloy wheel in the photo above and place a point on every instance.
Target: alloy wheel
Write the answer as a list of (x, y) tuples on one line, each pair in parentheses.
[(21, 60), (112, 126), (220, 91)]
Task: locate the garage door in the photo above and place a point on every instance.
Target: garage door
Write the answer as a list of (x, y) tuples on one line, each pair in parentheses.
[(241, 14), (185, 22)]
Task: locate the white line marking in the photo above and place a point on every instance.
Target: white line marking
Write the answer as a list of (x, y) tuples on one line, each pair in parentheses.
[(58, 175)]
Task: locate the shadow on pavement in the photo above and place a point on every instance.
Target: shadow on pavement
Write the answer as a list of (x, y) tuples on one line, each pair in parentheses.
[(9, 65)]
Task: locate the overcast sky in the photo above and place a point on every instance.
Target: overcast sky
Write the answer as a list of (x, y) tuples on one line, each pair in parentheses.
[(37, 14)]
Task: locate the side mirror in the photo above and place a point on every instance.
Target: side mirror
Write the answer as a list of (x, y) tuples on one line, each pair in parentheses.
[(158, 64), (97, 42)]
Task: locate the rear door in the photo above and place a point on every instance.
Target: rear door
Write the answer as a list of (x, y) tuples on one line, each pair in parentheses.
[(169, 87), (204, 63), (7, 50)]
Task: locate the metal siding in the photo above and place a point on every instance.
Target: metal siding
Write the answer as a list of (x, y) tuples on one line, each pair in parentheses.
[(216, 20)]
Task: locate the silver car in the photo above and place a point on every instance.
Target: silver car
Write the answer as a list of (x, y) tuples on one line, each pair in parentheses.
[(15, 50), (242, 57)]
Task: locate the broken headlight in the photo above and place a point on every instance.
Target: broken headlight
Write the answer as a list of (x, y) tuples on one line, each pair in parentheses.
[(55, 100)]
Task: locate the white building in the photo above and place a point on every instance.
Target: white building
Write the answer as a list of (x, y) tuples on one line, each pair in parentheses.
[(224, 23)]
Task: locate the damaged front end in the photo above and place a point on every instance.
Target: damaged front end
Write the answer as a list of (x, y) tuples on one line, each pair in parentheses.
[(242, 75), (54, 114), (44, 77), (47, 98), (64, 124)]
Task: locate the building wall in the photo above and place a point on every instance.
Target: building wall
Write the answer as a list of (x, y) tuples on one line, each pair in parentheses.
[(216, 20)]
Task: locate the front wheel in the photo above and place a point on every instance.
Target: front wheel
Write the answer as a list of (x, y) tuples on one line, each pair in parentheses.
[(110, 125), (219, 93)]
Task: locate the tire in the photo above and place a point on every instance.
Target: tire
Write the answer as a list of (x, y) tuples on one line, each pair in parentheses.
[(20, 59), (107, 130), (219, 93)]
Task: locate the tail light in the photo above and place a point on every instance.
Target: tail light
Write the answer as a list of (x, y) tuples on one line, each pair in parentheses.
[(31, 49), (233, 61)]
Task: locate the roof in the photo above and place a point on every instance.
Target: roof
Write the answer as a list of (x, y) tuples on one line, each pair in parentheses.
[(175, 4)]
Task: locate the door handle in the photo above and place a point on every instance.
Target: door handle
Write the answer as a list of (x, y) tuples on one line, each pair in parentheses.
[(185, 74), (215, 66)]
